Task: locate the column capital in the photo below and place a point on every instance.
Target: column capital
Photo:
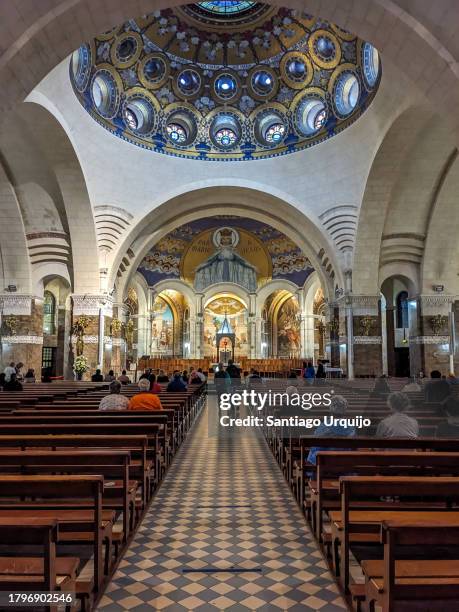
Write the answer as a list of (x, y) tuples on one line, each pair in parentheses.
[(16, 304), (92, 304)]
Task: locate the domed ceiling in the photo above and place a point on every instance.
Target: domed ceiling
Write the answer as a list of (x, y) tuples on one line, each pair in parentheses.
[(225, 80), (181, 252)]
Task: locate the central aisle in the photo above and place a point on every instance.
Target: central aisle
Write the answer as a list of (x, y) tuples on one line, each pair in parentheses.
[(224, 504)]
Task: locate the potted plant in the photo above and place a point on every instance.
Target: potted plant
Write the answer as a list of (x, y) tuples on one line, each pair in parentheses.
[(80, 366)]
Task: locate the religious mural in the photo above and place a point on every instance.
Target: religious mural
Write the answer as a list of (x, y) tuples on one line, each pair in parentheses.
[(288, 329), (214, 315), (162, 328), (226, 247)]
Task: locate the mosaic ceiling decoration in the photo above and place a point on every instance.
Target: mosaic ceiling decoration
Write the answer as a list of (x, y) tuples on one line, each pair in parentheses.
[(182, 251), (226, 80)]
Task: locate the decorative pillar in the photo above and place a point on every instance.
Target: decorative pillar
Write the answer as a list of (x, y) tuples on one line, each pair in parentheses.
[(97, 312), (118, 357), (431, 333), (199, 325), (21, 331), (364, 334)]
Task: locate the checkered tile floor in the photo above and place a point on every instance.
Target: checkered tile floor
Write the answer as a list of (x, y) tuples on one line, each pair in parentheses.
[(224, 505)]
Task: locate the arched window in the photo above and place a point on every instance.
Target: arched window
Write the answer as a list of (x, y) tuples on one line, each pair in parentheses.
[(402, 310), (49, 314)]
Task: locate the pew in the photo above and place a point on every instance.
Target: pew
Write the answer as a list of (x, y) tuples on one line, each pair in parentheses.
[(414, 585), (371, 489), (20, 572), (14, 488)]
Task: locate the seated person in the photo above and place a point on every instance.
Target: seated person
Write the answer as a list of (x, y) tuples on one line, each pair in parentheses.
[(13, 384), (146, 374), (437, 389), (201, 375), (97, 377), (194, 378), (154, 387), (292, 374), (398, 424), (124, 379), (338, 407), (110, 377), (162, 377), (145, 399), (185, 376), (450, 427), (176, 384), (114, 401), (254, 379), (29, 376), (412, 385)]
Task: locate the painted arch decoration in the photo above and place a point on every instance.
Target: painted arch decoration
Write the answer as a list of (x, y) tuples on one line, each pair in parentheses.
[(265, 252)]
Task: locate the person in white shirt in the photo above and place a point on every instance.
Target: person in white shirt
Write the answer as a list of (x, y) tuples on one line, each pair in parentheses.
[(412, 385), (398, 424), (8, 371), (114, 401)]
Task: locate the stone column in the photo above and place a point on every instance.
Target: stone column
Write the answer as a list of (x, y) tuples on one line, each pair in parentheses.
[(21, 331), (430, 333), (366, 342), (98, 311), (199, 325)]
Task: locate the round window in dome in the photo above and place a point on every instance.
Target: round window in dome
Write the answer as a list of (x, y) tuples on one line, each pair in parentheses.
[(226, 137), (139, 115), (181, 128), (81, 67), (310, 115), (225, 131), (188, 82), (346, 94), (263, 83), (176, 133), (270, 128), (104, 94), (370, 64), (296, 69), (126, 49), (153, 71), (324, 47), (226, 86)]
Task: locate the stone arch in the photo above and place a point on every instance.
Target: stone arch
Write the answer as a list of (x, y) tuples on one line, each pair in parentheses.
[(246, 199)]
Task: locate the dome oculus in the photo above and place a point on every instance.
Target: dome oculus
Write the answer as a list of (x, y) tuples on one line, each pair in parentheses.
[(225, 80)]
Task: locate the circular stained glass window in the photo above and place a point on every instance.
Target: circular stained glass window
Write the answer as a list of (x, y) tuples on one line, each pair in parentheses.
[(226, 137), (189, 82), (262, 82), (275, 133), (176, 133), (226, 7), (131, 119), (370, 64), (225, 86), (347, 92)]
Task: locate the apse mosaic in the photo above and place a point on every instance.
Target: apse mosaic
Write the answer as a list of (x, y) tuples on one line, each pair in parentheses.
[(225, 80), (226, 249)]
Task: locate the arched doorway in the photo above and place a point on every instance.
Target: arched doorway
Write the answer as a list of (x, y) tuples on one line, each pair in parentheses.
[(395, 325)]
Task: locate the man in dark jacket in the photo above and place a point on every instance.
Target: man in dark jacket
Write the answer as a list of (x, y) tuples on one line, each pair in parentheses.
[(176, 385)]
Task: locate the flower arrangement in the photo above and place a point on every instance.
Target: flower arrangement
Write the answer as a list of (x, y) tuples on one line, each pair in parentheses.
[(80, 365), (116, 326), (80, 325)]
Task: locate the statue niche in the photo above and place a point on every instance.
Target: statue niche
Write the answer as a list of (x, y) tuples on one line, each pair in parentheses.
[(226, 266)]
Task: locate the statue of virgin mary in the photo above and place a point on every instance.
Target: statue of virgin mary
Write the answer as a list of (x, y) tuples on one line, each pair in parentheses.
[(226, 266)]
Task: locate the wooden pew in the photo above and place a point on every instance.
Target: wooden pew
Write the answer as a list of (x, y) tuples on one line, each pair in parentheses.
[(371, 489), (57, 488), (20, 572), (325, 492), (405, 585), (111, 464)]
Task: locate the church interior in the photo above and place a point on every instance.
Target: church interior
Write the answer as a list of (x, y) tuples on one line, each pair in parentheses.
[(200, 199)]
